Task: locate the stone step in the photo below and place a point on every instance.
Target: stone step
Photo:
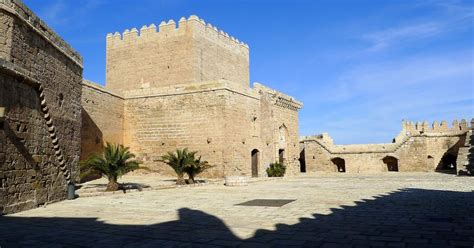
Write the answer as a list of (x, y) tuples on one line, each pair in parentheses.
[(465, 160)]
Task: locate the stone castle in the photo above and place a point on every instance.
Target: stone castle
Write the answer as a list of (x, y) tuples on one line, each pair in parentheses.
[(190, 88), (177, 85)]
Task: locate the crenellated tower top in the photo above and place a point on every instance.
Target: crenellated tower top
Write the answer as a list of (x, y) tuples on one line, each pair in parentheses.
[(189, 51), (171, 28)]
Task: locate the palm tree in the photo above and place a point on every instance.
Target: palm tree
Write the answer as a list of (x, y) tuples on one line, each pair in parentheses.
[(196, 168), (179, 161), (114, 162)]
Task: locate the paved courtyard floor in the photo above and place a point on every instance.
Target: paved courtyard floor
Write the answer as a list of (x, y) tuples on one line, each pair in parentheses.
[(332, 210)]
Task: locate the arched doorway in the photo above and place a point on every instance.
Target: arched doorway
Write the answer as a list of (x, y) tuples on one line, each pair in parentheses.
[(391, 163), (340, 164), (254, 156), (447, 163), (281, 156), (302, 161), (282, 142)]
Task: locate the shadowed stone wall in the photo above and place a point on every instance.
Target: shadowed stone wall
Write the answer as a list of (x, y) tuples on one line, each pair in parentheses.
[(102, 118), (33, 59)]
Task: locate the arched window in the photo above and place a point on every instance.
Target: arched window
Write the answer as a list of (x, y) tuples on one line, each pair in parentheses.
[(283, 133)]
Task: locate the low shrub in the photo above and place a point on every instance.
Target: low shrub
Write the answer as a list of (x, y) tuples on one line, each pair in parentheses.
[(276, 170)]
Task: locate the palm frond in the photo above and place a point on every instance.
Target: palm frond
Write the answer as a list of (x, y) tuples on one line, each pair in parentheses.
[(114, 162)]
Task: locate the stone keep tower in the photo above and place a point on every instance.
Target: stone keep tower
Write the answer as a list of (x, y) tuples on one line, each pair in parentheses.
[(187, 86), (190, 53)]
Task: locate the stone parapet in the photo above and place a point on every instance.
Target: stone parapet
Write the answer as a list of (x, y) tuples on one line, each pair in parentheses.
[(98, 87), (279, 99)]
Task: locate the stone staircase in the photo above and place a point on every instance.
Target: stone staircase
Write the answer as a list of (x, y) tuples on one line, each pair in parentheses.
[(10, 68), (52, 134), (465, 160)]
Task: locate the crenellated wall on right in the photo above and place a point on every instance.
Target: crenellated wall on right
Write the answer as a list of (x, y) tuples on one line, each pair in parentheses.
[(418, 147)]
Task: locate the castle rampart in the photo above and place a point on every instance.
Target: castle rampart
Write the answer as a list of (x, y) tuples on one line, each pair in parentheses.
[(418, 147)]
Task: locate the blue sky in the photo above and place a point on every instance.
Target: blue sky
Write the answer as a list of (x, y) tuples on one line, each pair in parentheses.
[(359, 67)]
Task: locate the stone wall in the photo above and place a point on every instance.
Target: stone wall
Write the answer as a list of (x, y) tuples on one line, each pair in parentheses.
[(224, 123), (102, 118), (418, 147), (158, 123), (35, 137), (190, 53)]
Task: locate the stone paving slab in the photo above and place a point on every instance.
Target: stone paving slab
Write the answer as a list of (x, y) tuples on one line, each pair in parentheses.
[(331, 210), (137, 182)]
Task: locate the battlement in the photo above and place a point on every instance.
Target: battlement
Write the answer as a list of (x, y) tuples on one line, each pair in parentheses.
[(169, 29), (436, 127)]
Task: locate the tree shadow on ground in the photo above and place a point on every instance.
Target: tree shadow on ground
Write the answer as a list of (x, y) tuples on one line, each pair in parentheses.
[(404, 218), (101, 187)]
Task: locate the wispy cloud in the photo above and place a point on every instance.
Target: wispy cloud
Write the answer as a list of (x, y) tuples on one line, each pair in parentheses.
[(383, 39), (454, 17), (55, 13), (401, 74)]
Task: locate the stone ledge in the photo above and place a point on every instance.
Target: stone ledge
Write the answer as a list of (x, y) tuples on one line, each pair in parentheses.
[(189, 88), (18, 72), (98, 87), (236, 181)]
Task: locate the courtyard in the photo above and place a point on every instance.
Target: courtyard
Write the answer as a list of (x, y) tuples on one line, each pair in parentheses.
[(329, 210)]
